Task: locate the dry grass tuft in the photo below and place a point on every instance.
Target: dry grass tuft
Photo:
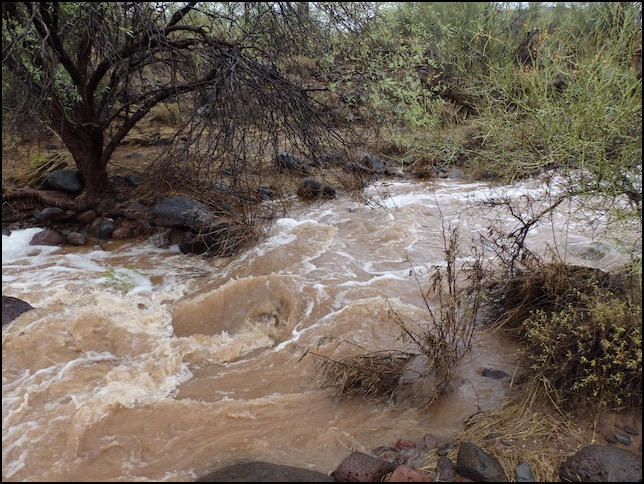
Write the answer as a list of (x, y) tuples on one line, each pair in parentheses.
[(373, 375), (525, 429), (39, 166)]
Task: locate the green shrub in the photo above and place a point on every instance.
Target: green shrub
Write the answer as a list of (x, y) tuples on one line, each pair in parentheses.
[(591, 349), (580, 328)]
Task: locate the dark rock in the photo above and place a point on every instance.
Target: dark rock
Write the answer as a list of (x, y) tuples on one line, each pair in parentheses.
[(182, 212), (610, 438), (474, 463), (558, 86), (12, 307), (376, 164), (494, 374), (630, 430), (104, 228), (286, 162), (360, 467), (524, 473), (494, 435), (445, 469), (86, 217), (134, 210), (432, 442), (311, 189), (222, 187), (77, 238), (602, 463), (265, 193), (622, 437), (133, 180), (444, 449), (48, 237), (67, 181), (264, 472), (50, 214)]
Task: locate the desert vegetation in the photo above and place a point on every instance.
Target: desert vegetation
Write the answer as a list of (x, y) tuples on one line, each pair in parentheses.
[(500, 91)]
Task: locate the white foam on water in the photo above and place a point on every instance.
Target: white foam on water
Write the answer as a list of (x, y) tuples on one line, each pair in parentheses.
[(16, 245), (339, 266)]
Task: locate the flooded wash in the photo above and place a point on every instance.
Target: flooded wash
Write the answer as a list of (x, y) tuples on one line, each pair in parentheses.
[(145, 364)]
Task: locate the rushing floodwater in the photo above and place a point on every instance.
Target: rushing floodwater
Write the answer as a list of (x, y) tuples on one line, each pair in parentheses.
[(144, 364)]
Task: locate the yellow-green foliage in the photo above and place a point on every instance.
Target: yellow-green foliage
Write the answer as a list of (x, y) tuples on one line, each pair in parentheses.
[(165, 114), (590, 348), (39, 165)]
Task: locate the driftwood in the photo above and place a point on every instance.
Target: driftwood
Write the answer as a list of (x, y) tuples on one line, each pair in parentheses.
[(50, 198)]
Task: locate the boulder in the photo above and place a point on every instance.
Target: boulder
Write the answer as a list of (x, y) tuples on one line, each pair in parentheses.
[(311, 189), (12, 307), (286, 162), (182, 212), (360, 467), (474, 463), (48, 237), (602, 463), (264, 472), (67, 181)]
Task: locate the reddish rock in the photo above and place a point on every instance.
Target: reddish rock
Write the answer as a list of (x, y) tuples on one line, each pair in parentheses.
[(360, 467), (405, 444), (132, 224), (404, 473), (121, 233), (86, 217), (48, 237), (432, 442)]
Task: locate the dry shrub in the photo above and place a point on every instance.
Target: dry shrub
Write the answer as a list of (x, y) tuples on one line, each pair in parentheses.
[(441, 341), (371, 375), (581, 329), (39, 166), (165, 114)]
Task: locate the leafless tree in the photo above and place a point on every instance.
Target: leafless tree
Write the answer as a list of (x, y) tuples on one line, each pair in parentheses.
[(92, 71)]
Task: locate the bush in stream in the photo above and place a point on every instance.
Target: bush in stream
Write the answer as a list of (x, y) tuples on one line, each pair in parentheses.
[(581, 329), (433, 350)]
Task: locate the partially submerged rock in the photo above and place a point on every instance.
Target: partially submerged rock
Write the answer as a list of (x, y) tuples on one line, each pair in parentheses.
[(264, 472), (12, 307)]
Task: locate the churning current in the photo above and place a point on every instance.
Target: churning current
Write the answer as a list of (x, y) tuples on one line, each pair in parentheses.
[(144, 364)]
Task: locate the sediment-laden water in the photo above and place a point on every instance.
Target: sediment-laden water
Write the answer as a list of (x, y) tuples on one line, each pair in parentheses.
[(145, 364)]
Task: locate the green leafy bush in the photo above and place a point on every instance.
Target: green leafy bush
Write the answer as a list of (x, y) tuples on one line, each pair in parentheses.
[(591, 348), (581, 330)]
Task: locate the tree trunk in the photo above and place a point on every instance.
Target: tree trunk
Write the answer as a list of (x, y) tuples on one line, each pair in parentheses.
[(85, 143)]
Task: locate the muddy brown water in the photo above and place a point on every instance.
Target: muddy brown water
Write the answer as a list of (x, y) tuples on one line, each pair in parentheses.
[(144, 364)]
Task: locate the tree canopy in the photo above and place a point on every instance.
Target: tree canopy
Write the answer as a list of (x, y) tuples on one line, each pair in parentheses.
[(90, 71)]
